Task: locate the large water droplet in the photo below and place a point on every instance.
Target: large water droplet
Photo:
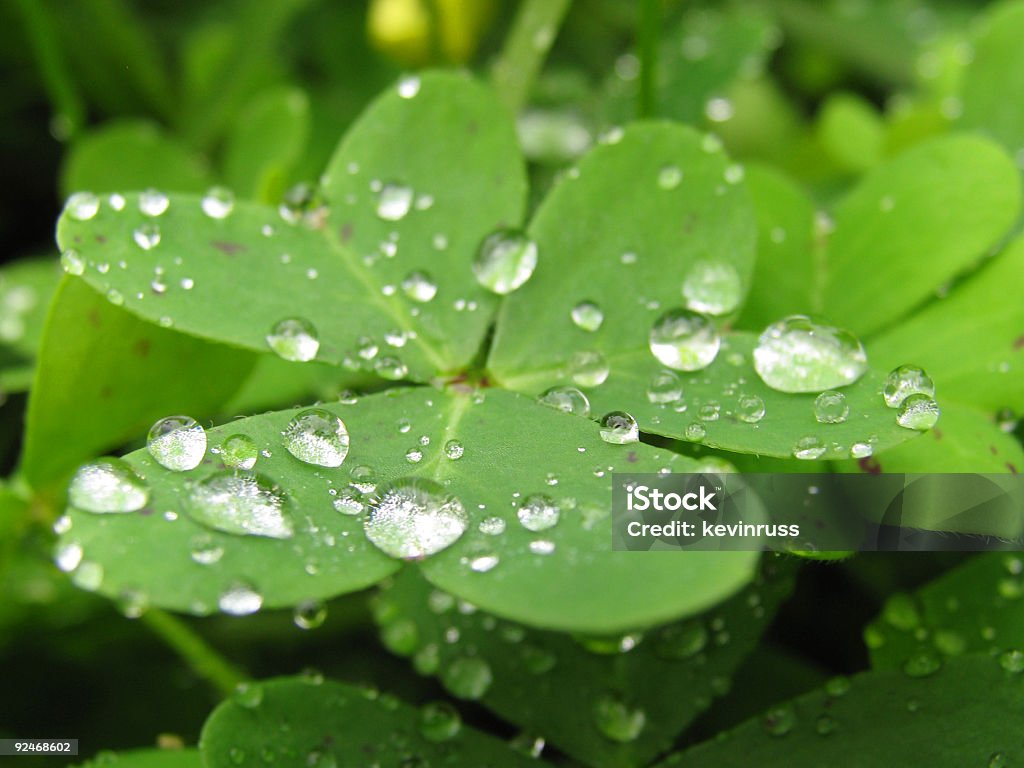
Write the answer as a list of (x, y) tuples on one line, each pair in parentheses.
[(617, 721), (107, 485), (619, 428), (178, 443), (567, 400), (918, 412), (316, 436), (505, 261), (684, 340), (904, 381), (240, 502), (152, 202), (239, 452), (588, 368), (831, 408), (798, 355), (439, 721), (538, 513), (294, 339), (468, 677), (413, 518), (218, 202), (394, 201), (713, 288), (419, 286), (240, 600), (587, 316), (82, 206), (750, 408)]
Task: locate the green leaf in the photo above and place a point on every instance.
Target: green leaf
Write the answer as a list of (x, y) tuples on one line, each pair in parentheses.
[(997, 57), (26, 287), (331, 270), (964, 714), (266, 142), (316, 722), (951, 198), (131, 154), (276, 383), (851, 131), (783, 282), (104, 377), (511, 445), (974, 608), (550, 683), (971, 342), (146, 758)]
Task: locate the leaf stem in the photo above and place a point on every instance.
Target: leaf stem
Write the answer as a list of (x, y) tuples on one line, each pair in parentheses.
[(203, 659), (648, 27), (533, 32)]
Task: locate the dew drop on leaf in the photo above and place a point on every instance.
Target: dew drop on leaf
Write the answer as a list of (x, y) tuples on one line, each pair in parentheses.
[(152, 202), (146, 236), (72, 262), (394, 202), (108, 485), (778, 721), (830, 408), (68, 556), (492, 526), (809, 447), (241, 502), (390, 368), (750, 409), (587, 316), (712, 288), (218, 202), (178, 443), (695, 431), (240, 600), (505, 261), (684, 340), (419, 286), (309, 614), (617, 721), (542, 547), (348, 502), (919, 412), (588, 368), (409, 86), (294, 339), (619, 428), (904, 381), (248, 695), (468, 677), (861, 450), (664, 387), (413, 518), (239, 452), (439, 721), (797, 354), (538, 513), (316, 436), (205, 551), (454, 450), (1012, 661), (922, 664), (669, 177), (567, 400), (82, 206), (483, 563)]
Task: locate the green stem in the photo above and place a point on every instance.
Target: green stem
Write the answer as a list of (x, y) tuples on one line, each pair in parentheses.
[(648, 28), (57, 80), (206, 662), (533, 32)]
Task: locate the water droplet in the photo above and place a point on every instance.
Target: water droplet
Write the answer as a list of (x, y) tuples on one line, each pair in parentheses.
[(567, 400), (922, 664), (505, 261), (904, 381), (750, 409), (778, 721), (316, 436), (684, 340), (413, 518), (439, 721), (587, 316), (714, 288), (205, 551), (837, 686), (239, 452), (798, 355), (831, 408), (218, 202), (589, 368), (394, 202), (718, 109), (147, 236), (617, 721), (309, 614), (669, 177), (492, 526), (695, 431), (1012, 661), (248, 695), (69, 556), (468, 677), (483, 563), (454, 450), (664, 387), (734, 173), (681, 641), (72, 262), (918, 412), (861, 450), (349, 502), (710, 411), (294, 339), (178, 443), (419, 286), (409, 86), (414, 455), (809, 447), (538, 513), (108, 485), (152, 202), (82, 206), (391, 368), (619, 428), (240, 502), (542, 547), (240, 600)]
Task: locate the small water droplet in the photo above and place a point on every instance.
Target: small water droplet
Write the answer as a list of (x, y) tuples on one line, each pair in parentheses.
[(1012, 661), (240, 502), (587, 316), (506, 259), (734, 173), (664, 387), (492, 526), (922, 664), (316, 436), (454, 450), (82, 206), (218, 202), (919, 412), (714, 288), (146, 236), (178, 443), (391, 368), (152, 202), (248, 695), (408, 86), (684, 340), (538, 513), (394, 202), (108, 485), (695, 431), (205, 551), (69, 556), (837, 686), (294, 339), (439, 721), (567, 400), (309, 614), (413, 518), (750, 409), (670, 176), (904, 381), (718, 109), (414, 455), (239, 452), (483, 563), (617, 721), (778, 721), (861, 450), (419, 286), (831, 408), (619, 428), (72, 262), (542, 547), (798, 355), (240, 600), (349, 502), (809, 447), (589, 368), (468, 677)]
